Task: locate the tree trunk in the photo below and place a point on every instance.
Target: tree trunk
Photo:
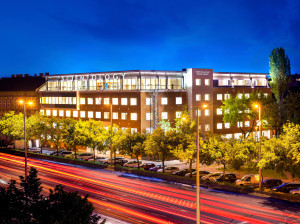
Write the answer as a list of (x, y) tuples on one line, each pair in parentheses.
[(163, 165), (137, 159), (224, 172), (74, 147)]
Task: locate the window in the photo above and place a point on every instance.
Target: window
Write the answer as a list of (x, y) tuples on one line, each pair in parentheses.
[(98, 100), (227, 125), (239, 96), (149, 130), (61, 113), (148, 116), (42, 112), (82, 114), (123, 101), (240, 124), (90, 114), (207, 97), (133, 101), (219, 97), (226, 111), (265, 95), (48, 112), (226, 96), (106, 101), (148, 101), (237, 135), (198, 97), (75, 113), (207, 127), (247, 95), (115, 101), (68, 113), (206, 82), (133, 130), (98, 115), (82, 100), (54, 113), (198, 82), (133, 116), (247, 123), (228, 136), (178, 100), (164, 101), (178, 114), (115, 115), (90, 101), (106, 115), (206, 112), (219, 126), (124, 116), (219, 111), (164, 115)]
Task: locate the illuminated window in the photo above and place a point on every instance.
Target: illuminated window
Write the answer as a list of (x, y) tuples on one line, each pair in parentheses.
[(133, 116), (98, 100), (219, 111), (228, 136), (206, 82), (178, 114), (247, 95), (115, 115), (219, 97), (54, 113), (124, 116), (265, 95), (198, 97), (48, 112), (178, 100), (240, 124), (198, 82), (247, 123), (61, 113), (123, 101), (207, 127), (219, 126), (239, 96), (206, 112), (115, 101), (106, 115), (148, 101), (106, 101), (133, 101), (164, 101), (164, 115), (90, 114), (227, 125), (149, 130), (90, 101), (148, 116), (82, 114), (75, 113), (42, 112), (98, 115), (68, 113), (237, 135), (207, 97), (133, 130), (226, 111), (226, 96), (82, 100)]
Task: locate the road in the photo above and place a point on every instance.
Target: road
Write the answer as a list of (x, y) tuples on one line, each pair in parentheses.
[(123, 198)]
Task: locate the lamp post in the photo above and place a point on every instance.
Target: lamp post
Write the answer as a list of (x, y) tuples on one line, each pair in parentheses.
[(25, 141), (259, 146), (111, 131), (197, 169)]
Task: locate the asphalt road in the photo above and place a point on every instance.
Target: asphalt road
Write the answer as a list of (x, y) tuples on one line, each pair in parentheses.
[(123, 198)]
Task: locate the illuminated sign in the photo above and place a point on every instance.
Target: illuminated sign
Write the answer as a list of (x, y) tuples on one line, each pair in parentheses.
[(92, 77)]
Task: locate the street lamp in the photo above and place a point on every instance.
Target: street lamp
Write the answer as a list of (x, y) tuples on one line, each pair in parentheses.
[(111, 131), (25, 142), (259, 147), (197, 168)]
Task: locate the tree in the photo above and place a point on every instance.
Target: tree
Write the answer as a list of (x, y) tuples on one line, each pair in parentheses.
[(56, 131), (28, 205), (12, 125)]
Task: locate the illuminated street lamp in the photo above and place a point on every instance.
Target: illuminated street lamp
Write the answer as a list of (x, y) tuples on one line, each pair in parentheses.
[(25, 142), (259, 147), (111, 131), (197, 168)]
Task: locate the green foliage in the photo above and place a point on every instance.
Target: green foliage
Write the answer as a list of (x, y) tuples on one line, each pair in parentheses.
[(12, 125), (29, 205), (56, 130)]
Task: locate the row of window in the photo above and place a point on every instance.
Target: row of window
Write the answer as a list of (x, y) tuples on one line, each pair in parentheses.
[(198, 82), (226, 96)]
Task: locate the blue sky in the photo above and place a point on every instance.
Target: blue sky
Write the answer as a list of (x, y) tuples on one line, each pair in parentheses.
[(96, 35)]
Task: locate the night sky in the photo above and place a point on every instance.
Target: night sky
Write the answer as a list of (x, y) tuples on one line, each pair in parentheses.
[(96, 35)]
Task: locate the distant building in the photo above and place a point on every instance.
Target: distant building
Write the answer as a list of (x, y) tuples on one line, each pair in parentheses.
[(142, 98)]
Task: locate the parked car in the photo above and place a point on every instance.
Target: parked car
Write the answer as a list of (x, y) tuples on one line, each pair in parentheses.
[(155, 168), (211, 176), (56, 153), (286, 187), (201, 173), (228, 177), (169, 169), (133, 163), (182, 172), (295, 191), (270, 183), (116, 161), (100, 159), (248, 180), (85, 156), (65, 153), (147, 166)]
